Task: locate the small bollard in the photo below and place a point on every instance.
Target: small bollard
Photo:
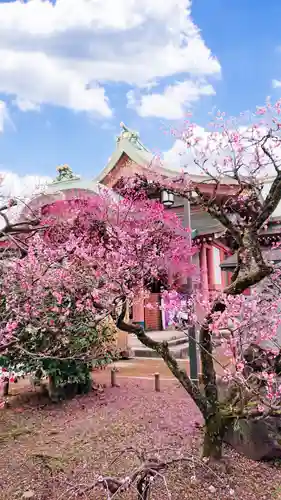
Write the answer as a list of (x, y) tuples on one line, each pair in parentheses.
[(113, 377), (157, 382), (6, 387)]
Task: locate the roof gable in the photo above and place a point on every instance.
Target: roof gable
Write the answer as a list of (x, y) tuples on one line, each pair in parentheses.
[(142, 158), (128, 144)]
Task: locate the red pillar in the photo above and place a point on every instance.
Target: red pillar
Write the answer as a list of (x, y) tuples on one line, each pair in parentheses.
[(204, 272), (210, 265)]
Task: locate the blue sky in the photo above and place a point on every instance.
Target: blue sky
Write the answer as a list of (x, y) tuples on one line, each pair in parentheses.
[(142, 63)]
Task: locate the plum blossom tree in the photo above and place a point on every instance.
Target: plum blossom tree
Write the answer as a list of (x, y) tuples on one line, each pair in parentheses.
[(105, 252), (241, 154), (14, 235), (93, 258)]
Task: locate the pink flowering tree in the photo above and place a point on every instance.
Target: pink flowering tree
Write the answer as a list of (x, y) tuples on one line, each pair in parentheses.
[(240, 155), (15, 233), (93, 258)]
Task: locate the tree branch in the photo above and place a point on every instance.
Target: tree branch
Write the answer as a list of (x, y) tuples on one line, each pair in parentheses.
[(271, 202), (162, 349)]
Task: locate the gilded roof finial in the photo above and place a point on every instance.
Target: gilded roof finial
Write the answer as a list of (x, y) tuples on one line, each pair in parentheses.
[(65, 173), (131, 136)]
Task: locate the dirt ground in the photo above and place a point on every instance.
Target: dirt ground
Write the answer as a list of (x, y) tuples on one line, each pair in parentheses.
[(52, 452)]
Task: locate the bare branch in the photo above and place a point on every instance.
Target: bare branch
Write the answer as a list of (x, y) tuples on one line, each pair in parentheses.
[(162, 349), (271, 202)]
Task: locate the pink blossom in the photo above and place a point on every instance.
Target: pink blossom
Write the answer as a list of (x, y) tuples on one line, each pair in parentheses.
[(11, 326)]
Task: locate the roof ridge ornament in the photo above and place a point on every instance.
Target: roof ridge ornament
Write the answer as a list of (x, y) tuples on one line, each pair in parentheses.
[(132, 136), (65, 173)]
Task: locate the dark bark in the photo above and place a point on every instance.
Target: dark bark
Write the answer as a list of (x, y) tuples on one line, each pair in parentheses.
[(6, 387), (53, 390), (212, 446), (241, 283), (213, 436), (251, 266), (4, 348), (271, 202)]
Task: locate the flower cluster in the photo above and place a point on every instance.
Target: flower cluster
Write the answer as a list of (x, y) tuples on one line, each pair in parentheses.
[(97, 254)]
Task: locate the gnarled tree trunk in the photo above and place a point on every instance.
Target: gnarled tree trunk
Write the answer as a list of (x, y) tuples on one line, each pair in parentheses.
[(213, 436), (6, 387), (214, 425)]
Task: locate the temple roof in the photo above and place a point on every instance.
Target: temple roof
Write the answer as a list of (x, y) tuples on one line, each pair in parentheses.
[(64, 187), (128, 143)]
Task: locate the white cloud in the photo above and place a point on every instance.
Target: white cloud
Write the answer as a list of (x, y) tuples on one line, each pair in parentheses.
[(173, 102), (4, 116), (177, 157), (65, 54), (276, 84), (180, 157), (23, 187), (25, 105), (35, 78)]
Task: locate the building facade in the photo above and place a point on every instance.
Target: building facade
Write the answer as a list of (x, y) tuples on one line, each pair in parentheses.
[(213, 257), (131, 157)]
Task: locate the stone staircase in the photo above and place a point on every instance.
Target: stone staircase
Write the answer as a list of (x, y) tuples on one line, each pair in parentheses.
[(177, 341)]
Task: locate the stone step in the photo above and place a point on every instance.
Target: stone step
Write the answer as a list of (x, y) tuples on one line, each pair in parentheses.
[(160, 336), (179, 350), (178, 341)]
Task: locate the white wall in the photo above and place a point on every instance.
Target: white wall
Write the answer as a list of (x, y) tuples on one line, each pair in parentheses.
[(268, 344), (265, 191)]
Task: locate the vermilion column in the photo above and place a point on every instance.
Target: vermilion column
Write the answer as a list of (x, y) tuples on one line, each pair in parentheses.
[(204, 272), (210, 266)]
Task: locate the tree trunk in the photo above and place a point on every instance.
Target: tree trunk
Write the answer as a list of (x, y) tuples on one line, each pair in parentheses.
[(6, 387), (212, 446), (53, 390), (213, 437)]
